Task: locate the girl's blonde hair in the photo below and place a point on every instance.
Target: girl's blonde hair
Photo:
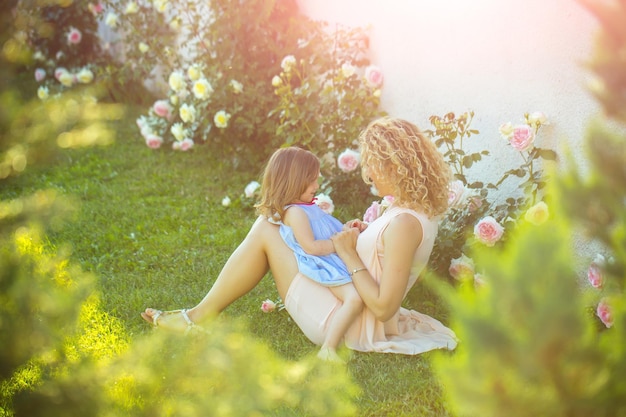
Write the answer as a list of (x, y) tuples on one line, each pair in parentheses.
[(287, 175), (396, 151)]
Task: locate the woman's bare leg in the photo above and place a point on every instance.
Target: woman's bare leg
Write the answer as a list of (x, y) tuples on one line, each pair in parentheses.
[(261, 249)]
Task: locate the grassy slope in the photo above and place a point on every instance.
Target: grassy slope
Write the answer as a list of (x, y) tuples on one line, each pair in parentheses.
[(150, 225)]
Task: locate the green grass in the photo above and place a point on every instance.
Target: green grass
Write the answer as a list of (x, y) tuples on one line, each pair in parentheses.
[(150, 226)]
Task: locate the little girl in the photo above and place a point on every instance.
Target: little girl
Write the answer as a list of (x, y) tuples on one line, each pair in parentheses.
[(290, 181)]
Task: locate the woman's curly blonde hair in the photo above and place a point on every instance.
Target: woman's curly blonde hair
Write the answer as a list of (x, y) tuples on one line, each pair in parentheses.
[(398, 152)]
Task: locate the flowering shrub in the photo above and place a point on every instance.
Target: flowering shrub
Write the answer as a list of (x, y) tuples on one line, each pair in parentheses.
[(335, 71), (473, 216)]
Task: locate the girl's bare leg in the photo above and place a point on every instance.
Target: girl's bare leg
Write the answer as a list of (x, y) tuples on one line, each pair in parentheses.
[(343, 318), (262, 249)]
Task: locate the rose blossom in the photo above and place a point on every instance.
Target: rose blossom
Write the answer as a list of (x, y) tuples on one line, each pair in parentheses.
[(187, 113), (40, 74), (111, 20), (537, 214), (84, 76), (178, 131), (96, 8), (162, 109), (176, 81), (183, 145), (374, 76), (131, 8), (537, 119), (506, 130), (594, 273), (347, 70), (143, 47), (74, 36), (488, 230), (372, 213), (236, 86), (251, 188), (67, 79), (348, 160), (604, 312), (268, 306), (288, 63), (43, 93), (221, 119), (461, 268), (276, 81), (154, 141), (522, 138), (325, 203), (194, 72), (226, 201), (202, 89), (456, 192)]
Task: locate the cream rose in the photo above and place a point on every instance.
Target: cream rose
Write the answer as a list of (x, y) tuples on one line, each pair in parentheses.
[(202, 89), (537, 214), (187, 113), (221, 119), (176, 81)]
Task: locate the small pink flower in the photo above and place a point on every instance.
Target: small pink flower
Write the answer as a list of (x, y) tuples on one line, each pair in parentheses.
[(40, 74), (96, 8), (154, 141), (268, 306), (74, 36), (162, 108), (348, 160), (374, 76), (522, 138), (456, 192), (475, 203), (594, 273), (488, 230), (604, 312), (325, 203), (183, 145), (372, 212), (461, 268)]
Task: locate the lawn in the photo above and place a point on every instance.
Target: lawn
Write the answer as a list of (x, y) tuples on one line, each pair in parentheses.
[(151, 228)]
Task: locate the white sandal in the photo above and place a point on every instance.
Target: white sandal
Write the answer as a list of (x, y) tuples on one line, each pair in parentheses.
[(191, 326)]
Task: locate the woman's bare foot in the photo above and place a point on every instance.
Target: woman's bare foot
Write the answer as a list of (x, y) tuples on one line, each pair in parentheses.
[(329, 355)]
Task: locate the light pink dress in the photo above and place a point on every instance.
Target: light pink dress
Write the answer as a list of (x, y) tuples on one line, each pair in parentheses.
[(409, 332)]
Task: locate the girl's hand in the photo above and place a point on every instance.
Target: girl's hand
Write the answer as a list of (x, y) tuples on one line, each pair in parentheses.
[(345, 241), (356, 223)]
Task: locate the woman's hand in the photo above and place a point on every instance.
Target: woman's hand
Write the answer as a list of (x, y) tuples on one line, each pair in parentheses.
[(356, 223), (345, 241)]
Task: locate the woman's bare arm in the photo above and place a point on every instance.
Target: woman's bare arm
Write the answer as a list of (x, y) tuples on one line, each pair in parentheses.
[(401, 239)]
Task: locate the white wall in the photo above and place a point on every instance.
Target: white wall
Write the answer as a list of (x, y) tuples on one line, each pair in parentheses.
[(499, 58)]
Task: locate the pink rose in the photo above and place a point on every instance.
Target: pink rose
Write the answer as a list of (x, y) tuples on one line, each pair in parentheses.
[(40, 74), (183, 145), (522, 138), (461, 268), (475, 203), (325, 203), (348, 160), (74, 36), (456, 192), (162, 108), (372, 212), (154, 141), (268, 306), (374, 76), (594, 273), (488, 230), (96, 8), (604, 312)]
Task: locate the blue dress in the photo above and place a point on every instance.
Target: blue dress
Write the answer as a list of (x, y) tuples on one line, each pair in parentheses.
[(329, 269)]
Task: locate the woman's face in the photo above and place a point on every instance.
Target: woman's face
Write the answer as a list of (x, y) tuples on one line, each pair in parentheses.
[(379, 182)]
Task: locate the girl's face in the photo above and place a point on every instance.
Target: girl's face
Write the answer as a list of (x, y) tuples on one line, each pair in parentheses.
[(309, 193)]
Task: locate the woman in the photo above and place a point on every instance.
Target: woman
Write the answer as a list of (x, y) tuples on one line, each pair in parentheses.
[(384, 258)]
